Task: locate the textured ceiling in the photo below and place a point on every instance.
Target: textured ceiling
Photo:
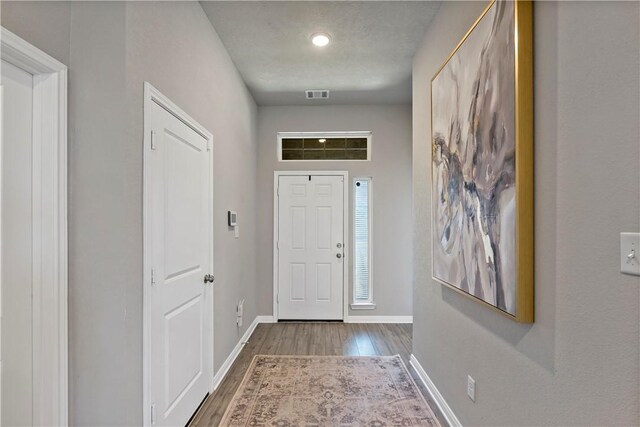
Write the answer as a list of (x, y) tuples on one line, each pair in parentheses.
[(368, 61)]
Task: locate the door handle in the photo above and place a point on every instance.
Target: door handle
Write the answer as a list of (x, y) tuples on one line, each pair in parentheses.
[(339, 255), (209, 278)]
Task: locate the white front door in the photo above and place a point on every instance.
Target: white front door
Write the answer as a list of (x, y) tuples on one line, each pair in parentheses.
[(17, 247), (179, 221), (310, 247)]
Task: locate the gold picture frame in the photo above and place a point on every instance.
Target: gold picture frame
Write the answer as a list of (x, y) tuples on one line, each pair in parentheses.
[(481, 237)]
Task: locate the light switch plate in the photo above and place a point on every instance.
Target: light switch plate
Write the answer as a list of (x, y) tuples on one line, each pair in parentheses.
[(630, 253)]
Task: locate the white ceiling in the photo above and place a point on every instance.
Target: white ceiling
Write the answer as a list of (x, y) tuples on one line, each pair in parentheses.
[(368, 61)]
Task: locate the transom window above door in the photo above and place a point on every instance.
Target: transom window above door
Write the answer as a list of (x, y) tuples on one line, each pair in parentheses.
[(324, 146)]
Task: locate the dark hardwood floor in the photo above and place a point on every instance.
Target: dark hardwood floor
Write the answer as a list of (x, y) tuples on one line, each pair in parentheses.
[(348, 339)]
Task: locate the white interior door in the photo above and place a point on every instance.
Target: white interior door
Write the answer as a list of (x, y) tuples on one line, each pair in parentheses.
[(17, 240), (310, 247), (180, 244)]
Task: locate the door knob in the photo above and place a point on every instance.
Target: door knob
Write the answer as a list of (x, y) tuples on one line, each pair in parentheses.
[(208, 278), (339, 255)]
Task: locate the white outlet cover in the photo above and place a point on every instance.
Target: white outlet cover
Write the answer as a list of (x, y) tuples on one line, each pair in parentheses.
[(630, 253), (471, 388)]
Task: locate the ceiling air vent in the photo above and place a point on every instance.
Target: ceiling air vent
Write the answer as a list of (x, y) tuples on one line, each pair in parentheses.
[(317, 94)]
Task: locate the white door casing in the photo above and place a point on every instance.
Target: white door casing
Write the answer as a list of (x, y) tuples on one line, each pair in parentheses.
[(310, 246), (1, 148), (48, 241), (178, 198), (17, 280)]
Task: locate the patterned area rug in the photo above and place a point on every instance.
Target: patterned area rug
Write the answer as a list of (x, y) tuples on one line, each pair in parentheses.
[(287, 391)]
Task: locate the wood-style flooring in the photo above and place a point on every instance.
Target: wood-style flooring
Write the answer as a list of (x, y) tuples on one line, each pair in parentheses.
[(306, 338)]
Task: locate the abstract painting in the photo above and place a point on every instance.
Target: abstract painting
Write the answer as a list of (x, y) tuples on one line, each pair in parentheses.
[(482, 162)]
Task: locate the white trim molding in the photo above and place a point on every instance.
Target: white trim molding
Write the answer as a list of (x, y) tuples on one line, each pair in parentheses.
[(1, 131), (346, 258), (266, 319), (363, 306), (437, 397), (50, 254), (154, 96), (224, 369), (379, 319)]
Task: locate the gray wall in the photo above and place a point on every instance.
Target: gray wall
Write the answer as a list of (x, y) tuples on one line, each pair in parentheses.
[(45, 24), (105, 250), (111, 48), (390, 167), (579, 362)]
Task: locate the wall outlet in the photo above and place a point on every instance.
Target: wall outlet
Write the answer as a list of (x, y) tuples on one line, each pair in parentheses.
[(239, 313), (630, 253), (471, 388)]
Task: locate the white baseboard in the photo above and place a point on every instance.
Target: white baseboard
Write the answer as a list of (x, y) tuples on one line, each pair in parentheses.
[(444, 407), (222, 372), (378, 319)]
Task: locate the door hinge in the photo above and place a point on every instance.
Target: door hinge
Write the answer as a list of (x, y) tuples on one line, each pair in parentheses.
[(278, 244), (278, 191), (153, 139), (153, 413), (153, 277), (208, 145)]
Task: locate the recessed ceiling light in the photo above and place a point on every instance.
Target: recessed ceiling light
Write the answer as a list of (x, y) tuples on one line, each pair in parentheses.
[(322, 140), (320, 39)]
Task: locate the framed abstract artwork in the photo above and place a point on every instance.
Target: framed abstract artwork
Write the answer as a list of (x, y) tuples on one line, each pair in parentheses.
[(482, 162)]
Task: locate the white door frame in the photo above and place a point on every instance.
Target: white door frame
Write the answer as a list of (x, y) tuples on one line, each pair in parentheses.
[(49, 222), (153, 95), (345, 238)]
